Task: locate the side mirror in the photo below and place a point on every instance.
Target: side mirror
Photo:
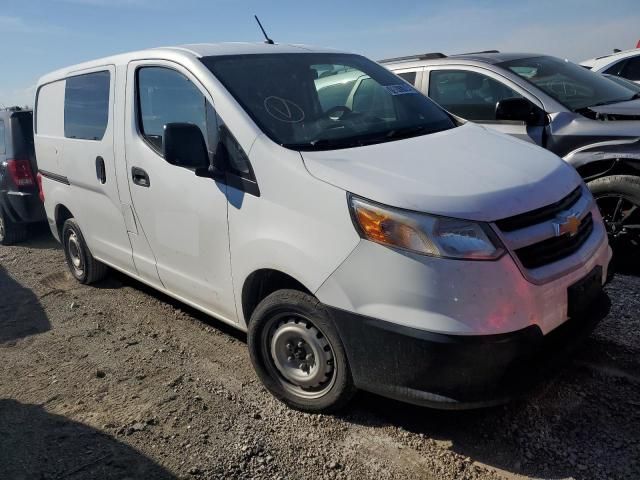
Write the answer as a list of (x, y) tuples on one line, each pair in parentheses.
[(183, 145), (518, 109)]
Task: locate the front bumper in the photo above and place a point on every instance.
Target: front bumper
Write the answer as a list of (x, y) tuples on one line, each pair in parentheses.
[(459, 334), (456, 371), (456, 297), (22, 207)]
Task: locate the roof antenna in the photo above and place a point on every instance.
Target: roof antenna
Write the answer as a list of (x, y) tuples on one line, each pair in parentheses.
[(267, 39)]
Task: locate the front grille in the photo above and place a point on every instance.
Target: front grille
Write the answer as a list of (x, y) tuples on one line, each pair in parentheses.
[(556, 248), (540, 215)]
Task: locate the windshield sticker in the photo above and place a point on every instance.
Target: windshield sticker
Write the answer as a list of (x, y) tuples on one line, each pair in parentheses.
[(400, 89), (283, 110)]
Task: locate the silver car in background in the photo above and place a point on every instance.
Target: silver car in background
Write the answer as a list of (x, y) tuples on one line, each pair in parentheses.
[(590, 121)]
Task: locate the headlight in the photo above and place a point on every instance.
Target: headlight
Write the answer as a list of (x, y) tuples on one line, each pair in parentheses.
[(425, 234)]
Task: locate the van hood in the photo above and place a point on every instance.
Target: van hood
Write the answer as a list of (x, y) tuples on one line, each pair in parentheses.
[(467, 172)]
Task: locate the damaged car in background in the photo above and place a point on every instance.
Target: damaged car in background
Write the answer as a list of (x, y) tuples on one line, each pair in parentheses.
[(587, 119)]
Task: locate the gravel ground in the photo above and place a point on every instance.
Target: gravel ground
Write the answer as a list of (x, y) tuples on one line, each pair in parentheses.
[(116, 381)]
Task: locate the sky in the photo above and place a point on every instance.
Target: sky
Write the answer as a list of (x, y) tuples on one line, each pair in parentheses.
[(39, 36)]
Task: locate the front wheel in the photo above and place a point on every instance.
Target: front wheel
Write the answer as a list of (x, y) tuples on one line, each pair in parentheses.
[(298, 354), (618, 198)]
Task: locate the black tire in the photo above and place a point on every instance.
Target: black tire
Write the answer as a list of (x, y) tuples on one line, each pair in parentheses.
[(11, 233), (81, 263), (296, 309), (622, 191)]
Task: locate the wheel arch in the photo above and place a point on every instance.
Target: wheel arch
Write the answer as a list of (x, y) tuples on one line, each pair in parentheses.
[(263, 282), (611, 157), (61, 215), (601, 167)]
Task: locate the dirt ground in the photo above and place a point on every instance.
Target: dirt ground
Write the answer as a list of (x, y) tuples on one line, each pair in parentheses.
[(116, 381)]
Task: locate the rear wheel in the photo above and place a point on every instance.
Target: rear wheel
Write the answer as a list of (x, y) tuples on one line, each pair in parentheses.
[(82, 265), (298, 354), (618, 198), (10, 232)]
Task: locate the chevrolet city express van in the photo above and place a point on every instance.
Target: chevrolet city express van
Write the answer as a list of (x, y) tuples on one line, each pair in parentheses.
[(366, 242)]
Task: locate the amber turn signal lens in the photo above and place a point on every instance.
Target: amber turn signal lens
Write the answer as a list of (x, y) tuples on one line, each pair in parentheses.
[(372, 224)]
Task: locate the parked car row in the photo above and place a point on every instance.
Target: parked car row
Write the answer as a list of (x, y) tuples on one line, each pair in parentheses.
[(364, 236)]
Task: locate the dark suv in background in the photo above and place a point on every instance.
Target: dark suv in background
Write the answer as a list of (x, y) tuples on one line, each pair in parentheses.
[(20, 203)]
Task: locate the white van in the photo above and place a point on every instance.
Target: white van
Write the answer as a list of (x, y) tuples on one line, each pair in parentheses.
[(365, 239)]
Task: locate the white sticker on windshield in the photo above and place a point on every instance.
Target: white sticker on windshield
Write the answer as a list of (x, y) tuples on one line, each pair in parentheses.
[(400, 89)]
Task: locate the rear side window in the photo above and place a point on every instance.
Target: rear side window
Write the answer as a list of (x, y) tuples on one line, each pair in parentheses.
[(86, 106), (631, 69), (408, 76), (616, 68), (2, 142)]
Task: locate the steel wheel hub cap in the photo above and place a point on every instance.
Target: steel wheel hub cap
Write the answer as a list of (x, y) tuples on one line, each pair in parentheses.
[(302, 355), (74, 252)]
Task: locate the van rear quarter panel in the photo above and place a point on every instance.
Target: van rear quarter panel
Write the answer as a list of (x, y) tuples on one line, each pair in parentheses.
[(94, 204), (299, 225), (49, 126), (49, 132)]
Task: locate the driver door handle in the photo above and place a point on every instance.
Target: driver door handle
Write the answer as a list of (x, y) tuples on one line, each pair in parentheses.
[(140, 177)]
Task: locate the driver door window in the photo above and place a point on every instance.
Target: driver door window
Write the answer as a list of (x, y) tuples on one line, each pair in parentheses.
[(166, 96), (467, 94)]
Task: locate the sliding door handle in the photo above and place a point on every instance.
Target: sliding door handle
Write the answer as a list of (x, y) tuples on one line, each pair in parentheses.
[(101, 171)]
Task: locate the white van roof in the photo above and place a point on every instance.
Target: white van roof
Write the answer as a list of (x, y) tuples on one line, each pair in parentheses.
[(245, 48), (191, 51)]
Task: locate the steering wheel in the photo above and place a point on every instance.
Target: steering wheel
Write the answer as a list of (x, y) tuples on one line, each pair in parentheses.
[(337, 109)]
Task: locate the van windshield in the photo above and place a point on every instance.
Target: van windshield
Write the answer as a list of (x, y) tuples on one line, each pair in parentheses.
[(573, 86), (325, 101)]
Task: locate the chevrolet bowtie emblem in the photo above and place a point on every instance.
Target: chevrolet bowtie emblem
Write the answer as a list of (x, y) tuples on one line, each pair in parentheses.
[(570, 226)]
